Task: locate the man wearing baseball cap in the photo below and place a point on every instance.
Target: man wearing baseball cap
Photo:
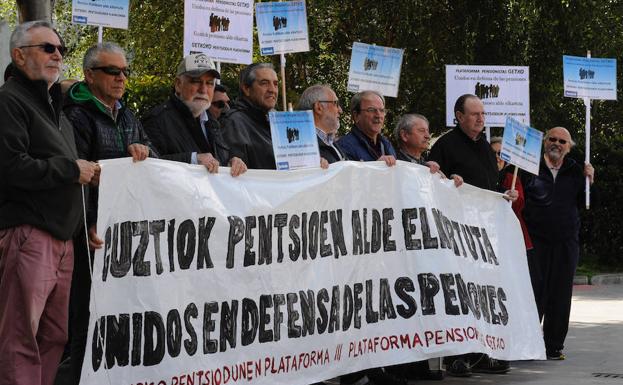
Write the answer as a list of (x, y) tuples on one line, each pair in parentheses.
[(182, 129)]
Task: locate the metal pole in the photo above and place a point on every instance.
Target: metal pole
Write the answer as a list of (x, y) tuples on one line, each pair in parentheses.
[(587, 129), (218, 68), (100, 34), (283, 82), (488, 133)]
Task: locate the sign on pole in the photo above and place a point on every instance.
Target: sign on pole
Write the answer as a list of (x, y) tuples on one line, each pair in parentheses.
[(294, 140), (222, 30), (521, 146), (282, 27), (504, 90), (375, 68), (103, 13), (593, 78)]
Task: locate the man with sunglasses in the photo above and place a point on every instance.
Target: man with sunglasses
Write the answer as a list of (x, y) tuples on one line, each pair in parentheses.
[(39, 208), (104, 129), (365, 142), (220, 102), (552, 216), (182, 129)]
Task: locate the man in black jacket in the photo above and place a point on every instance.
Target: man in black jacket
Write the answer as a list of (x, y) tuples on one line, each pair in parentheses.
[(553, 220), (182, 129), (324, 104), (40, 209)]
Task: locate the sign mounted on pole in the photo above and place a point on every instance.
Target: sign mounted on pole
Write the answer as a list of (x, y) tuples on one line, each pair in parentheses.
[(282, 27), (375, 68), (593, 78), (294, 140), (504, 90), (521, 146), (222, 30), (103, 13)]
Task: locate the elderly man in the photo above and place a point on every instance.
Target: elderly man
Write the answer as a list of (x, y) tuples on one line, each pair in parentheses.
[(220, 102), (413, 137), (245, 127), (182, 129), (39, 208), (365, 141), (553, 220), (104, 129), (324, 104), (465, 151)]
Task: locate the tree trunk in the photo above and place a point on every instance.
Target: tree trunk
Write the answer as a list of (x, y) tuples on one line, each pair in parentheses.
[(30, 10)]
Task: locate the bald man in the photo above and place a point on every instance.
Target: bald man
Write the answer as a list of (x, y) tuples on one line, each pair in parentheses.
[(552, 215)]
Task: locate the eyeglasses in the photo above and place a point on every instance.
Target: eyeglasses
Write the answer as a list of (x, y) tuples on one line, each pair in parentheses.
[(334, 102), (220, 104), (497, 153), (48, 48), (372, 110), (554, 140), (112, 70)]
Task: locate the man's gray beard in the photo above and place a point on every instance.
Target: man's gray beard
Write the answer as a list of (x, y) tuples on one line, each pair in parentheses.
[(554, 155), (197, 108)]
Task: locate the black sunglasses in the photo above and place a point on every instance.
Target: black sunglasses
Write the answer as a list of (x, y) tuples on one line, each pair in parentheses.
[(220, 104), (112, 70), (48, 48), (554, 140)]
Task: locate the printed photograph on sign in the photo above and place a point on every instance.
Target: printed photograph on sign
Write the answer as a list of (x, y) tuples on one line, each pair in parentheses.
[(294, 140), (593, 78), (375, 68), (504, 91), (222, 30), (105, 13), (521, 146), (282, 27)]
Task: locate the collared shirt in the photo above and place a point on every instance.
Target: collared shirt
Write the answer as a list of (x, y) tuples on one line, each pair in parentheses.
[(328, 140), (203, 118), (413, 159), (113, 112)]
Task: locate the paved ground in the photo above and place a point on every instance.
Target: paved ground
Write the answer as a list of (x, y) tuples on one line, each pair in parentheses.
[(594, 345)]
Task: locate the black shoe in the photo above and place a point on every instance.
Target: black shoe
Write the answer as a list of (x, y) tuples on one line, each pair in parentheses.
[(433, 375), (491, 366), (555, 355), (458, 368)]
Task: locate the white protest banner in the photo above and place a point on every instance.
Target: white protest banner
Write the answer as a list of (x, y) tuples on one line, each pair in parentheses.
[(105, 13), (375, 68), (282, 27), (295, 143), (504, 90), (295, 277), (521, 146), (223, 30), (593, 78)]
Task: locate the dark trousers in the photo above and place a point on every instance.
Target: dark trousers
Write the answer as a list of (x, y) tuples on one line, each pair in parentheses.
[(552, 267), (79, 304)]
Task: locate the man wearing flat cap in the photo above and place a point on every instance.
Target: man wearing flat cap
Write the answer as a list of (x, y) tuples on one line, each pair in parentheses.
[(182, 128)]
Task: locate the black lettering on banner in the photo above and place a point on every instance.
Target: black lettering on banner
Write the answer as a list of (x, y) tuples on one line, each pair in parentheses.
[(357, 237), (174, 333), (457, 231), (372, 316), (409, 229), (429, 287), (190, 344), (334, 314), (236, 232), (210, 345), (449, 295), (137, 333), (469, 240), (474, 298), (186, 241), (249, 255), (110, 244), (366, 242), (491, 294), (265, 229), (388, 243), (314, 229), (464, 299), (140, 266), (476, 232), (295, 246), (304, 236), (250, 321), (155, 229), (357, 291), (119, 267), (278, 301), (323, 318), (97, 349), (484, 302), (308, 311), (504, 311), (401, 287), (489, 248), (443, 237), (347, 316), (153, 350), (171, 243), (375, 243), (229, 318), (117, 340), (266, 301), (337, 233), (429, 241), (203, 249), (325, 249), (281, 220), (386, 307), (294, 330), (450, 231)]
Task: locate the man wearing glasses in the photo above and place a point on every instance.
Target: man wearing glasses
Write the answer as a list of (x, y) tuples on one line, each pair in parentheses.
[(182, 129), (39, 208), (104, 129), (220, 102), (323, 102), (365, 141), (553, 220)]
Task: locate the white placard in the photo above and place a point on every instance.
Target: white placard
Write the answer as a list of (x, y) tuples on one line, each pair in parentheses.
[(223, 30), (593, 78), (504, 90), (375, 68), (105, 13), (295, 143), (521, 146), (282, 27)]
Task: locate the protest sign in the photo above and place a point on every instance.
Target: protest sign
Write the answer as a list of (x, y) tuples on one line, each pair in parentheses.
[(295, 143), (282, 27), (104, 13), (295, 277), (521, 146), (223, 30), (504, 91), (593, 78), (375, 68)]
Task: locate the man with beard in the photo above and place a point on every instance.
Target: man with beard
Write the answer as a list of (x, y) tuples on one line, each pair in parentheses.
[(39, 208), (324, 104), (553, 220), (182, 129)]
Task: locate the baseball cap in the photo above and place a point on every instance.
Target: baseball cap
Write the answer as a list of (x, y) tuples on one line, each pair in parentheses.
[(196, 65)]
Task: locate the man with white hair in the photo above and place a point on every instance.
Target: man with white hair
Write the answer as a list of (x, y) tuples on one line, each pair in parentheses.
[(39, 208), (552, 216)]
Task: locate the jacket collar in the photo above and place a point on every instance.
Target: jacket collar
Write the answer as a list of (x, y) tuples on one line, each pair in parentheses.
[(39, 90)]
